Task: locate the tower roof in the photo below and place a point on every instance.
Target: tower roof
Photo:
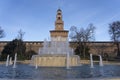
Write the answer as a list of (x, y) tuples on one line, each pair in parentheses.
[(59, 10)]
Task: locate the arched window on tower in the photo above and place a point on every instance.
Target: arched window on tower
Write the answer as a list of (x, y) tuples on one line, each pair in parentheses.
[(58, 18)]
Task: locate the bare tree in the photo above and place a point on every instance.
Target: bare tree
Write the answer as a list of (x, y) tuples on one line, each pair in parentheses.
[(82, 36), (20, 34), (114, 31), (89, 33), (2, 34)]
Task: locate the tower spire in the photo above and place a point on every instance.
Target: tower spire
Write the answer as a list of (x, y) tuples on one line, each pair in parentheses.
[(59, 24)]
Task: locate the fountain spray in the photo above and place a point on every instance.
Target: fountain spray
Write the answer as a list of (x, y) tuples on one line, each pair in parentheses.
[(91, 61), (100, 62), (15, 59), (7, 61)]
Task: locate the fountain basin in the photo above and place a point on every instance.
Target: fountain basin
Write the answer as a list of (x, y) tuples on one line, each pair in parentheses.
[(54, 60), (83, 72)]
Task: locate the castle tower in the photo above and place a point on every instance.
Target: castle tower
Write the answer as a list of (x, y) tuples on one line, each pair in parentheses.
[(59, 34), (57, 52)]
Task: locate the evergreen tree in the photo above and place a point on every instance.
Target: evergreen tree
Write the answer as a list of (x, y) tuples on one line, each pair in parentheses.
[(15, 46)]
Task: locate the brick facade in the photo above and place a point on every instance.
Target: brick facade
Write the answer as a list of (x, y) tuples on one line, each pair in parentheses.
[(95, 47)]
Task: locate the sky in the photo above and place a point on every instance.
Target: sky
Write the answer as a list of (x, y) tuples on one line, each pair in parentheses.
[(37, 17)]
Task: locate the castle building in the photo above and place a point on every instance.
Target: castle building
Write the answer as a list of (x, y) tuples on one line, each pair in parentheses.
[(59, 34)]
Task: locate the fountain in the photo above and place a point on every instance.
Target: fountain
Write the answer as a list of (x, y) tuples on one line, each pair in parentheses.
[(36, 66), (56, 53), (100, 62), (7, 61), (91, 61), (68, 61), (10, 63), (15, 59)]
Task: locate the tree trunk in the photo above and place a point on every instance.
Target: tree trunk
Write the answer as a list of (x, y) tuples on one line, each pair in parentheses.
[(80, 43), (84, 46)]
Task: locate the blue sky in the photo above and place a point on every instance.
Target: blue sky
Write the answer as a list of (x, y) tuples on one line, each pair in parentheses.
[(37, 17)]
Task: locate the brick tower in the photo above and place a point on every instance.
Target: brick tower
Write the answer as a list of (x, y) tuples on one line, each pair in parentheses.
[(59, 34)]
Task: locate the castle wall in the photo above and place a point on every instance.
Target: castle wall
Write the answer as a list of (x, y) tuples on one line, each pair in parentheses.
[(95, 47)]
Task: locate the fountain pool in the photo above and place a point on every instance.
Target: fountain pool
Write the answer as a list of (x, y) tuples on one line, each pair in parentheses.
[(24, 71)]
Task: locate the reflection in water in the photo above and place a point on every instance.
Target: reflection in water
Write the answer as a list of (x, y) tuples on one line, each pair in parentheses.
[(92, 72), (13, 73)]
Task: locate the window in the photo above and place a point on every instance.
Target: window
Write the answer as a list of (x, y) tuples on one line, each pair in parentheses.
[(58, 17)]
